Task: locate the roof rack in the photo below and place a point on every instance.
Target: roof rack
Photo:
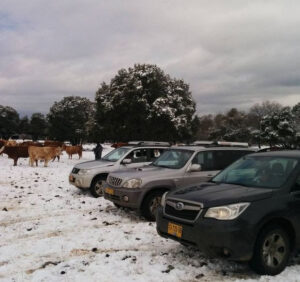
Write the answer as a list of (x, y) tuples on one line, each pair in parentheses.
[(202, 143), (220, 144), (230, 144), (148, 143)]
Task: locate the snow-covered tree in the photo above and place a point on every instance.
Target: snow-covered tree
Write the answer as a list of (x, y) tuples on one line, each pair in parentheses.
[(278, 128), (9, 122), (68, 118), (296, 113), (258, 111), (145, 103), (231, 126)]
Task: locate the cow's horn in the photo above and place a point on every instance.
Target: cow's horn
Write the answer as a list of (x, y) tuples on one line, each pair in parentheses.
[(2, 149)]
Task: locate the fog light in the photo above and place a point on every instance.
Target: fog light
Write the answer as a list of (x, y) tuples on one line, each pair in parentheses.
[(125, 198), (226, 252)]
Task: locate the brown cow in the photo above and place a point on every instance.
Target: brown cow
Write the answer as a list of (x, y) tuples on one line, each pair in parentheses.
[(2, 142), (53, 143), (42, 153), (30, 143), (71, 150), (11, 143), (15, 152), (119, 144)]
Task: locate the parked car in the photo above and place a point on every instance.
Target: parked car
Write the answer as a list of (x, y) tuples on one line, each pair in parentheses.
[(177, 167), (92, 174), (248, 212)]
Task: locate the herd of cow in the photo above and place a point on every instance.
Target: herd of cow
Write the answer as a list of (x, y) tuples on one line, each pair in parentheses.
[(36, 151)]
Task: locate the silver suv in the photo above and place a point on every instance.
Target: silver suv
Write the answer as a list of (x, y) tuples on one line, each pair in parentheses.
[(92, 174), (142, 188)]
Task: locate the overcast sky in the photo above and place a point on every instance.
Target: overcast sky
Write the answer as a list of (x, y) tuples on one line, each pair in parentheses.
[(232, 53)]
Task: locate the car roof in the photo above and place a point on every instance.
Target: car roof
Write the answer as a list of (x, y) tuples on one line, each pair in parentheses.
[(283, 153), (217, 148), (144, 147)]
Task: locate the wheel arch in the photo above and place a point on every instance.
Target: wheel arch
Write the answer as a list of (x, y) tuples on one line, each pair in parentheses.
[(282, 222), (154, 189), (102, 174)]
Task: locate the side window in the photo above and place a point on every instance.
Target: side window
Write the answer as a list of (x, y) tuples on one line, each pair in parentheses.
[(205, 159), (221, 159), (154, 154), (138, 156), (226, 158), (297, 184)]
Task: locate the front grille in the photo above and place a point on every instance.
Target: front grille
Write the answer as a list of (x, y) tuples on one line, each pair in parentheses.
[(114, 181), (188, 211), (112, 197), (75, 170)]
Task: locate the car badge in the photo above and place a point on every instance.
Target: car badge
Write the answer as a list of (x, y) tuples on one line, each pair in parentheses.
[(179, 206)]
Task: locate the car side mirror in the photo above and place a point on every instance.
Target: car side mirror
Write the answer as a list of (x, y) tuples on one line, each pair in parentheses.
[(126, 161), (195, 167)]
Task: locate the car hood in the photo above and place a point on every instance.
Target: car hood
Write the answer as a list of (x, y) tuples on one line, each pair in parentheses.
[(94, 164), (143, 172), (211, 194)]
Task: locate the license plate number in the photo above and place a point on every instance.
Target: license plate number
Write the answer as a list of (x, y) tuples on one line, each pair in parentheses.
[(109, 191), (175, 229)]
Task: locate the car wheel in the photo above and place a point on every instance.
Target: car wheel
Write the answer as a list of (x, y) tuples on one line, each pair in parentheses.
[(272, 251), (97, 186), (150, 205)]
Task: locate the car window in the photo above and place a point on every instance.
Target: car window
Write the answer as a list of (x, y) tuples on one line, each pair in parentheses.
[(116, 154), (138, 156), (205, 159), (296, 186), (155, 153), (262, 172), (222, 159), (174, 159)]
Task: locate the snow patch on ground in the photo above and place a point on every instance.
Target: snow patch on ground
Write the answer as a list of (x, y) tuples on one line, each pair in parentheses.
[(52, 231)]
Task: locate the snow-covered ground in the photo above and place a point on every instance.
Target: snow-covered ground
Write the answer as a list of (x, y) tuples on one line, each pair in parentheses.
[(51, 231)]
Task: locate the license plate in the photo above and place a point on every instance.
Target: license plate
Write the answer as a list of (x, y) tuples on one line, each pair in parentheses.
[(109, 191), (175, 229), (71, 178)]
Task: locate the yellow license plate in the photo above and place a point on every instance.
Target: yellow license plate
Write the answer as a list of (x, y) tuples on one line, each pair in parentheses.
[(175, 229), (109, 191)]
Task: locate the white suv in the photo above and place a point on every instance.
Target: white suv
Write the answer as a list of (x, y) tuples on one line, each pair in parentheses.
[(92, 174)]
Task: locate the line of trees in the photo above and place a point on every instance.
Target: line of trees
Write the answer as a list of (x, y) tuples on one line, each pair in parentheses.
[(144, 103)]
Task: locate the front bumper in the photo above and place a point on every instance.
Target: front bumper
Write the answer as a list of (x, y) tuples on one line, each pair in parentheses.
[(124, 197), (231, 239), (80, 181)]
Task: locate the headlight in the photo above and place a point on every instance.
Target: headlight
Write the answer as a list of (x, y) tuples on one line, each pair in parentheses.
[(84, 171), (163, 199), (227, 212), (133, 183)]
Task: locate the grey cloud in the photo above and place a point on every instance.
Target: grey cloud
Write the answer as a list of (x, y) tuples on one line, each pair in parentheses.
[(232, 53)]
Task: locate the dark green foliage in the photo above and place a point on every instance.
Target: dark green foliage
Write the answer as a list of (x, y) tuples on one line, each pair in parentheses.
[(68, 118), (278, 128), (9, 122), (38, 126), (143, 103)]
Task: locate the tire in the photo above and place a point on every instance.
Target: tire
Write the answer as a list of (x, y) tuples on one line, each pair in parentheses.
[(96, 188), (117, 206), (272, 251), (150, 205)]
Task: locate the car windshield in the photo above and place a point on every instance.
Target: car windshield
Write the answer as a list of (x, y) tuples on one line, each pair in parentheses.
[(115, 155), (173, 159), (258, 171)]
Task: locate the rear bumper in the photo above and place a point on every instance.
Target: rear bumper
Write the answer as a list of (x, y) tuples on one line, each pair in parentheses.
[(124, 197), (80, 181), (215, 238)]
